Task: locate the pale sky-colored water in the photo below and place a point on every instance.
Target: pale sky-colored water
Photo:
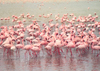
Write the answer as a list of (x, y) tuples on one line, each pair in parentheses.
[(78, 8), (87, 62), (44, 0)]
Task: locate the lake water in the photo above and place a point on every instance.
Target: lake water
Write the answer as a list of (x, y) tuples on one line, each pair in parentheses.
[(86, 62)]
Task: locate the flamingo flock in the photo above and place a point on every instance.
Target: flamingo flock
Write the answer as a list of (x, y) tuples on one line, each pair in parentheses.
[(67, 34)]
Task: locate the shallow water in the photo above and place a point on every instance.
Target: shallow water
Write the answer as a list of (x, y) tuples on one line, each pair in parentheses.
[(86, 62)]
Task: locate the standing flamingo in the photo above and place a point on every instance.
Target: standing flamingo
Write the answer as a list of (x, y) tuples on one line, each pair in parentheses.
[(18, 47), (95, 47), (27, 48)]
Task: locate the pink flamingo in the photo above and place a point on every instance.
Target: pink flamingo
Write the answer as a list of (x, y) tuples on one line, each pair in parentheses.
[(82, 46), (18, 47), (8, 47), (1, 19), (36, 49), (48, 49), (70, 45), (95, 47), (27, 48), (57, 46)]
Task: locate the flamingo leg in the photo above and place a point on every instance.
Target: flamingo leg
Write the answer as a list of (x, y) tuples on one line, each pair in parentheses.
[(88, 47), (4, 52), (29, 53), (59, 51), (42, 50), (71, 52), (76, 50), (7, 52), (10, 52), (83, 51), (33, 53), (98, 54), (79, 53), (63, 52), (66, 51), (49, 52), (92, 50), (18, 52), (25, 53), (38, 52), (54, 50)]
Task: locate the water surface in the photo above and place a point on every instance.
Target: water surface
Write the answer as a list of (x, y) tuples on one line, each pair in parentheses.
[(86, 62)]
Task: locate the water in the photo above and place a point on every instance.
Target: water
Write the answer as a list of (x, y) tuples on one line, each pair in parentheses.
[(78, 8), (86, 62)]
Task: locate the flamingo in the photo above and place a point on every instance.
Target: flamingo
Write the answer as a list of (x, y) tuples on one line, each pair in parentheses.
[(79, 36), (57, 46), (27, 48), (48, 48), (81, 46), (70, 45), (95, 47), (18, 47), (9, 46), (36, 49)]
